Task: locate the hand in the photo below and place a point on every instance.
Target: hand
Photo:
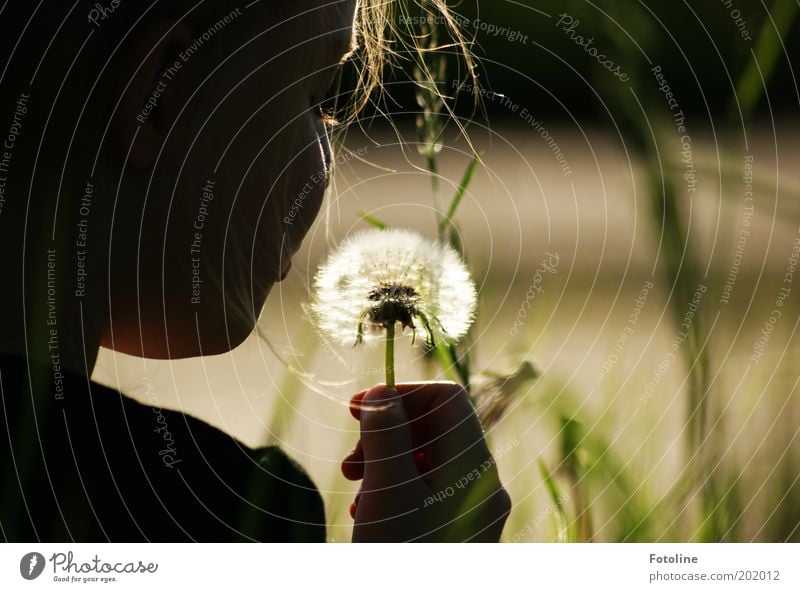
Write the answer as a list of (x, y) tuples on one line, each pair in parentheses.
[(427, 472)]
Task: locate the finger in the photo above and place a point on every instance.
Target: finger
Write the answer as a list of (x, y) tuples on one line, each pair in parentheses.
[(445, 426), (355, 404), (421, 462), (386, 440), (354, 506), (353, 463)]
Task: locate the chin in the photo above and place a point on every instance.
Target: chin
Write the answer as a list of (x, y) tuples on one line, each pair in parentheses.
[(223, 346), (219, 338), (192, 337), (221, 333), (211, 342)]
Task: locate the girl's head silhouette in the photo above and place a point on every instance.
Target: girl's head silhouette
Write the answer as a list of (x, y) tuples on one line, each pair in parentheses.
[(167, 161)]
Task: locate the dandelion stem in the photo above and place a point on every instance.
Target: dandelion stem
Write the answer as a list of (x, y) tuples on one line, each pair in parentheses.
[(390, 355)]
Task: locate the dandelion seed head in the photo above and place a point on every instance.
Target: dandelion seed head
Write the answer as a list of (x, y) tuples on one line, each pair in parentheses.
[(377, 277)]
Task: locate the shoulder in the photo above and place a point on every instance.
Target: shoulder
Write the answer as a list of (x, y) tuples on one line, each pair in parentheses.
[(137, 472), (254, 494)]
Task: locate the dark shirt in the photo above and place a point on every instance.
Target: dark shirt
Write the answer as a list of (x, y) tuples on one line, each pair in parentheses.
[(82, 462)]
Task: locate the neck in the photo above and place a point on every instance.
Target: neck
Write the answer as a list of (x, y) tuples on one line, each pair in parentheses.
[(45, 321), (52, 306)]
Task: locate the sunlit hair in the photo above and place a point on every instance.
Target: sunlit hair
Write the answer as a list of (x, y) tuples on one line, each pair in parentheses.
[(388, 37)]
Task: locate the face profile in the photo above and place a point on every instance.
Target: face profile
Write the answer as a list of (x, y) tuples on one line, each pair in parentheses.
[(189, 144)]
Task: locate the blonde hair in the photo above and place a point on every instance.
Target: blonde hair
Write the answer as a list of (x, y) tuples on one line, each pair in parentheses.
[(388, 32)]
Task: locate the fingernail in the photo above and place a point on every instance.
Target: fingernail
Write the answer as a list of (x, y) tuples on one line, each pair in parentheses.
[(354, 506)]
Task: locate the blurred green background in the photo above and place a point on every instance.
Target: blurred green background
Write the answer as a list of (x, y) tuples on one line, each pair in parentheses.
[(700, 46)]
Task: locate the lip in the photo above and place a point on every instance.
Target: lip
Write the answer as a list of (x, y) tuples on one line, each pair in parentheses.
[(286, 271)]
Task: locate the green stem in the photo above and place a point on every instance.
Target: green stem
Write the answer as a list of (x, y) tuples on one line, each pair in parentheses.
[(390, 356)]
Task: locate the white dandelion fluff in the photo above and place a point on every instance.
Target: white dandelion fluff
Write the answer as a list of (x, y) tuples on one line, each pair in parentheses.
[(378, 278)]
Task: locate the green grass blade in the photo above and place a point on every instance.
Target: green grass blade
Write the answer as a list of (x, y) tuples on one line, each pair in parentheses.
[(558, 504), (372, 220), (291, 391), (750, 87), (462, 190), (450, 364)]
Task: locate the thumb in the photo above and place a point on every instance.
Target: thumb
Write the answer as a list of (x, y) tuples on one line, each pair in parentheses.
[(386, 440)]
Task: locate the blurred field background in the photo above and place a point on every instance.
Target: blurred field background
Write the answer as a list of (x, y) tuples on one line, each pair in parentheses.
[(597, 442)]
